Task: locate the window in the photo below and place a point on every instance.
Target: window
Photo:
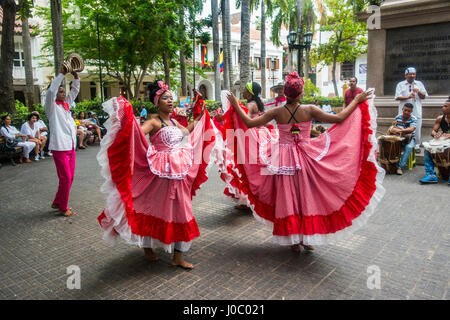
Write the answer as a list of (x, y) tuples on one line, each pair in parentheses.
[(19, 61), (258, 63), (347, 70)]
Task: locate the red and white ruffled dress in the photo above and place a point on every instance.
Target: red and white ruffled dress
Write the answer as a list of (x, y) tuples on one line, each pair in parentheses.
[(224, 155), (315, 191), (149, 187)]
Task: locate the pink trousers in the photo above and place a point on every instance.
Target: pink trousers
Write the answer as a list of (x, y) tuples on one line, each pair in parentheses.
[(65, 167)]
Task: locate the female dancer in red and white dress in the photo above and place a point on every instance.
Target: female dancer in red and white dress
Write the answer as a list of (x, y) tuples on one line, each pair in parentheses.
[(150, 186), (254, 108), (310, 191)]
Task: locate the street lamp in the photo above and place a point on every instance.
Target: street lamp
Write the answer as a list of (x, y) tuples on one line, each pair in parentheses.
[(304, 44), (252, 69)]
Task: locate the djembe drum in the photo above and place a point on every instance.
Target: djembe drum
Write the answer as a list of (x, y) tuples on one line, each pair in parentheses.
[(73, 63), (390, 150), (440, 152)]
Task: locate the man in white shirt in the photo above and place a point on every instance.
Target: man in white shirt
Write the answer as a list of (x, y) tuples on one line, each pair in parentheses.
[(327, 107), (412, 91), (63, 137), (43, 130)]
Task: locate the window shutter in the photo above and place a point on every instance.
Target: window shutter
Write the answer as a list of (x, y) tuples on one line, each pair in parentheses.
[(277, 64)]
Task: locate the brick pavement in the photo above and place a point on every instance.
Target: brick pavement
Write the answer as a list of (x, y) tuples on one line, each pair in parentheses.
[(408, 238)]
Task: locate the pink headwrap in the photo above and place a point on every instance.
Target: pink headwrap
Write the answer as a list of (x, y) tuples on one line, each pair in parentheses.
[(163, 88), (293, 87)]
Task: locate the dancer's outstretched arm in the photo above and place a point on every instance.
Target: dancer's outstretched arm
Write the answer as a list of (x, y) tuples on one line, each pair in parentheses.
[(326, 117), (250, 123)]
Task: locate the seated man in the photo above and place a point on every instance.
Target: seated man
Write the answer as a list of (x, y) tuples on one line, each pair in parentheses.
[(327, 107), (440, 129), (43, 130), (406, 125)]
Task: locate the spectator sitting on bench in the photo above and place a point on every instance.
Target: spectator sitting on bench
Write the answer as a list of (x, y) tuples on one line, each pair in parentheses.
[(89, 124), (31, 130), (93, 118), (9, 131), (83, 134), (43, 130)]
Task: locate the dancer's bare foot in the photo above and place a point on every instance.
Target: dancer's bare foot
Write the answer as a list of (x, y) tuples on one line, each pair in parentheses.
[(178, 261), (150, 255), (295, 248), (68, 212), (307, 247)]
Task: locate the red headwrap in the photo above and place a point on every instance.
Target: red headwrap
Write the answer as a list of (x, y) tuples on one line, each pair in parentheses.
[(293, 87)]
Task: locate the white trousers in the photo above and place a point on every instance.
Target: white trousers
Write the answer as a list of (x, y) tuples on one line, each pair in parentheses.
[(27, 147)]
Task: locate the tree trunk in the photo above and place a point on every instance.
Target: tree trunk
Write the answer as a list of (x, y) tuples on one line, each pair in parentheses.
[(263, 48), (182, 56), (28, 64), (336, 92), (7, 103), (166, 68), (57, 33), (227, 26), (216, 44), (226, 80), (300, 34), (244, 60)]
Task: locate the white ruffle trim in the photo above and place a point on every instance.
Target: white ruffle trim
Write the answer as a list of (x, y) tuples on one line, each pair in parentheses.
[(323, 239), (115, 223)]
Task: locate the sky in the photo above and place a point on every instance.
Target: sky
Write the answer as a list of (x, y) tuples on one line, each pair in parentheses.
[(207, 7)]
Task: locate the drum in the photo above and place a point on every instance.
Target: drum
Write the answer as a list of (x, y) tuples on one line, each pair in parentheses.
[(440, 152), (74, 63), (390, 150)]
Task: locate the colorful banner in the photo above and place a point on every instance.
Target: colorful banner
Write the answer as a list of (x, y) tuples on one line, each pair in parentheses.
[(221, 60), (204, 55)]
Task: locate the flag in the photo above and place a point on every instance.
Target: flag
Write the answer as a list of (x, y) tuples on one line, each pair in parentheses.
[(204, 55), (221, 60)]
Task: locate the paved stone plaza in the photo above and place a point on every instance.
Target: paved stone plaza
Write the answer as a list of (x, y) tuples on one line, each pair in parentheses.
[(408, 239)]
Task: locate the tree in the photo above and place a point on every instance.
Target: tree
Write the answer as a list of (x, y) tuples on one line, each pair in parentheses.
[(10, 8), (28, 61), (244, 60), (287, 12), (216, 44), (225, 48), (57, 33), (348, 38), (263, 48), (132, 42)]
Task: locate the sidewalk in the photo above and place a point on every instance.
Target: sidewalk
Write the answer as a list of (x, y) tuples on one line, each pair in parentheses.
[(408, 239)]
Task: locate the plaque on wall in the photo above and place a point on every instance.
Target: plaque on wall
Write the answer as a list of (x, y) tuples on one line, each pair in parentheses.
[(425, 47)]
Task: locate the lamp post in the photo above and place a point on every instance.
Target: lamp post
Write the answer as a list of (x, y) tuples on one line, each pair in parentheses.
[(272, 61), (252, 69), (305, 44)]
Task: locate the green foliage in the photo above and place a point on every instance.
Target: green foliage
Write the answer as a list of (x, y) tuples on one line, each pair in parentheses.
[(334, 102), (133, 35), (22, 112), (309, 89), (348, 37)]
